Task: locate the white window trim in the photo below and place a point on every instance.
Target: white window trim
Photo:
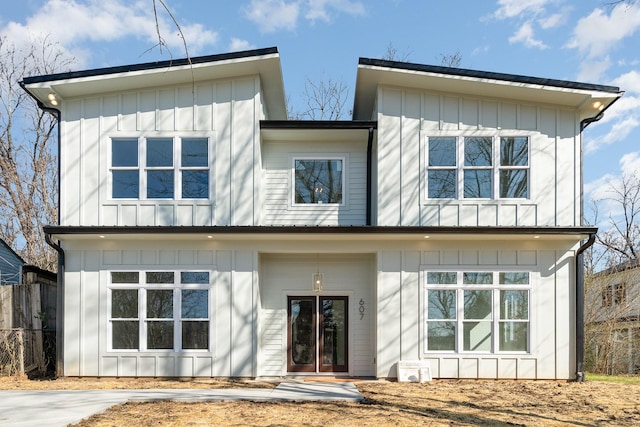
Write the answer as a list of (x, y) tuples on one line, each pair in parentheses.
[(460, 167), (459, 287), (317, 206), (142, 287), (177, 167)]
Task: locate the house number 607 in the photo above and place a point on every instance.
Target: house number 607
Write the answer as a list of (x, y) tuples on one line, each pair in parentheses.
[(361, 309)]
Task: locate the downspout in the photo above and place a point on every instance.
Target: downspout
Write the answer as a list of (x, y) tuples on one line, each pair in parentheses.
[(369, 177), (580, 375), (59, 306), (580, 307)]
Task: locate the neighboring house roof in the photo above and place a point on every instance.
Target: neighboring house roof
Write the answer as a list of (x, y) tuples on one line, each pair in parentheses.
[(10, 265), (263, 62), (590, 99)]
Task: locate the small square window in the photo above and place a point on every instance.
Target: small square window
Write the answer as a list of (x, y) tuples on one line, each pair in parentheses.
[(318, 181)]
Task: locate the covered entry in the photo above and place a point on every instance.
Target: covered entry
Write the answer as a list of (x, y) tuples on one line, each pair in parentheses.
[(310, 331), (317, 334)]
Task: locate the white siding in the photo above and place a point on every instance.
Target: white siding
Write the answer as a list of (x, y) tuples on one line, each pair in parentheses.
[(227, 112), (407, 117), (277, 200)]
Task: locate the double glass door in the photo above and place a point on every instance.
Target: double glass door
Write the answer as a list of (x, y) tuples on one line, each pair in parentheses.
[(317, 339)]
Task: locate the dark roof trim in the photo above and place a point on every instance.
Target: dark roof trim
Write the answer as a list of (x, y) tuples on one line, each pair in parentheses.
[(150, 65), (28, 268), (358, 229), (487, 75), (318, 124)]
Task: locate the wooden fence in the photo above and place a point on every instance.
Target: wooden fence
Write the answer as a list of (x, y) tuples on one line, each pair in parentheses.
[(32, 309)]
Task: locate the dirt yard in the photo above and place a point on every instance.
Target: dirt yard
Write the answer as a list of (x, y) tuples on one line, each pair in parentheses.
[(438, 403)]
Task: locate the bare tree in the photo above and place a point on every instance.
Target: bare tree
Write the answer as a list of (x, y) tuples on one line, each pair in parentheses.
[(324, 100), (393, 54), (451, 60), (28, 150)]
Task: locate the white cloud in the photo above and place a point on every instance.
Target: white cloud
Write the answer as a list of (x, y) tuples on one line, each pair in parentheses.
[(319, 9), (552, 21), (593, 69), (273, 15), (618, 132), (526, 36), (480, 50), (598, 33), (629, 82), (73, 23), (238, 45), (630, 163), (516, 8)]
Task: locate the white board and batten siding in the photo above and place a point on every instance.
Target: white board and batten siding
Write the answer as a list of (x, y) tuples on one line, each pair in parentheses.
[(401, 309), (406, 118), (227, 112), (277, 198), (233, 300)]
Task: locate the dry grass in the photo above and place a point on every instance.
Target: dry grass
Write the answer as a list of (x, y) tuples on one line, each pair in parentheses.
[(441, 402)]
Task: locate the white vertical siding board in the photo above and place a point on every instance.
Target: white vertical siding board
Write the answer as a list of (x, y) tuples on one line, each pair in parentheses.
[(565, 317), (450, 113), (470, 114), (567, 198), (147, 111), (72, 313), (242, 152), (508, 116), (204, 107), (92, 163), (431, 119), (92, 325), (543, 152), (489, 115), (469, 215), (128, 112), (258, 178), (543, 328), (507, 215), (389, 309), (389, 158), (243, 307), (410, 306), (222, 313), (528, 115), (185, 106), (488, 215), (449, 215), (222, 179), (411, 154), (71, 165), (166, 109)]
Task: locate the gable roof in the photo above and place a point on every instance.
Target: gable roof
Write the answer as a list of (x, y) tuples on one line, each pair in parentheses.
[(263, 62), (590, 99)]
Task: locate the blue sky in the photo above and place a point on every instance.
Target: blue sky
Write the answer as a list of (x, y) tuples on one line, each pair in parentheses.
[(583, 40)]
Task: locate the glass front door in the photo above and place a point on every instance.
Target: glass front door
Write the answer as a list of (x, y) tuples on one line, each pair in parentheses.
[(317, 334)]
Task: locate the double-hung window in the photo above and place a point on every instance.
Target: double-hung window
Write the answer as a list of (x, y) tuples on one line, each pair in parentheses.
[(159, 310), (477, 167), (477, 311), (160, 168)]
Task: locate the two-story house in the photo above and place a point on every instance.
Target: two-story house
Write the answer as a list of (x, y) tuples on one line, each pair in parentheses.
[(203, 234)]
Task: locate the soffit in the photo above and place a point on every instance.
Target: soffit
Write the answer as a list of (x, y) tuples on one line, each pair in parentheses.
[(477, 84)]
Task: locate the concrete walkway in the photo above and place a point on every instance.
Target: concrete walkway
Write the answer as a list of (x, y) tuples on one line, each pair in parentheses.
[(62, 407)]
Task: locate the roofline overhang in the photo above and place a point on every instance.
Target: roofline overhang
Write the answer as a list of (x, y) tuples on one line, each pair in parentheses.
[(318, 124), (588, 98), (324, 232), (264, 63)]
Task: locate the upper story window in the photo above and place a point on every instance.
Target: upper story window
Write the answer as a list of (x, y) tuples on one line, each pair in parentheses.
[(614, 295), (160, 168), (479, 167), (318, 181)]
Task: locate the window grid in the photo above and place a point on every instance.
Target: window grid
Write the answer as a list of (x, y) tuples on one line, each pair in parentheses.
[(160, 328), (177, 168), (496, 325), (480, 167)]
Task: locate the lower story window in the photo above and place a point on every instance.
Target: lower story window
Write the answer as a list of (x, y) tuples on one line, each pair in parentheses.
[(159, 310), (477, 311)]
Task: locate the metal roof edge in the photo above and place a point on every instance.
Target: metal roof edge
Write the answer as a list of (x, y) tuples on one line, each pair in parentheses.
[(149, 65), (318, 124), (356, 229), (487, 75)]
